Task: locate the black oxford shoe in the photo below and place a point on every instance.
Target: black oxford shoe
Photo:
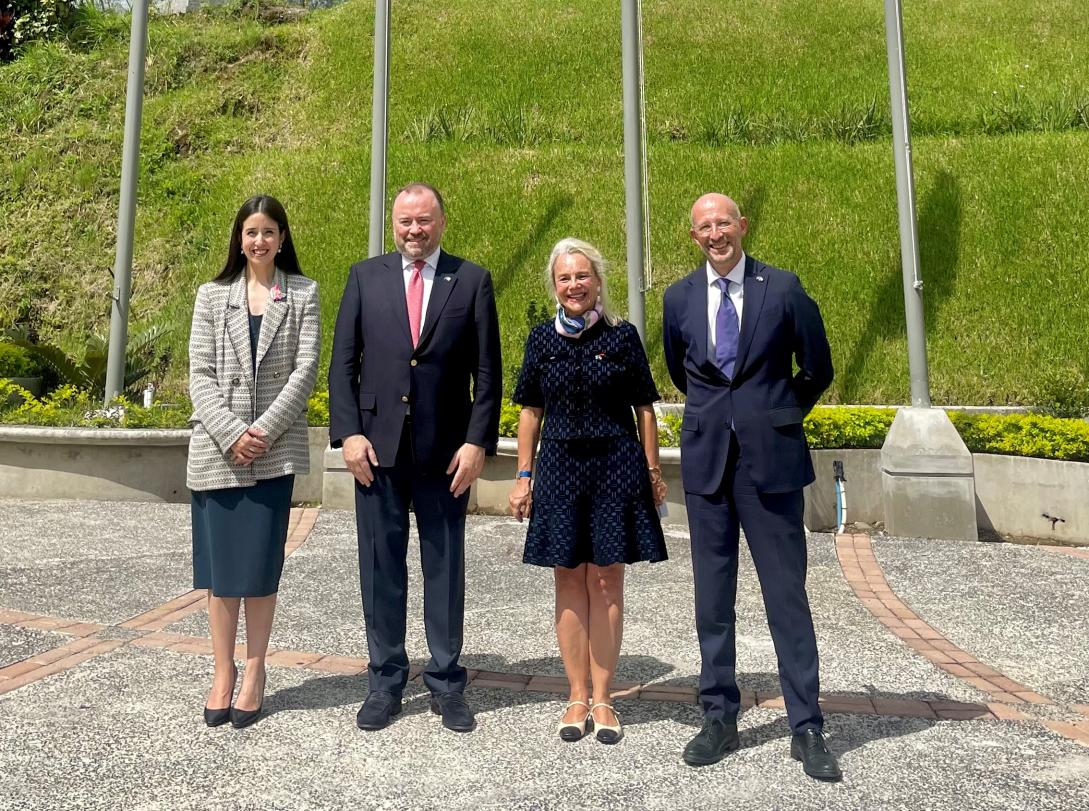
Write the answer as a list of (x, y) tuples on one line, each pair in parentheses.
[(715, 740), (809, 747), (455, 711), (377, 711)]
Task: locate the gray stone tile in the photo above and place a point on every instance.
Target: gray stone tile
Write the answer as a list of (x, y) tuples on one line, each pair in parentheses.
[(125, 730), (17, 644), (1019, 609), (93, 561)]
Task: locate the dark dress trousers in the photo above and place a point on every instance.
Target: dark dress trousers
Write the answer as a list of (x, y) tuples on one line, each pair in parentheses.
[(744, 461), (417, 407)]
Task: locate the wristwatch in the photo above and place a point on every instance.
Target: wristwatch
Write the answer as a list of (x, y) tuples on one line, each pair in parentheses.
[(525, 474)]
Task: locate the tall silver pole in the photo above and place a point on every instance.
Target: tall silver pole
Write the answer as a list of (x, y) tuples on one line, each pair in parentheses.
[(126, 212), (905, 200), (633, 161), (379, 128)]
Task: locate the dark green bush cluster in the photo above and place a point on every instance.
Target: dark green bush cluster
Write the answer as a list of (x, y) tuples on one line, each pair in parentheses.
[(17, 362), (23, 21)]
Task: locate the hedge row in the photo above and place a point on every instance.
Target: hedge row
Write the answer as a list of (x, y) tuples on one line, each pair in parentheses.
[(1033, 435)]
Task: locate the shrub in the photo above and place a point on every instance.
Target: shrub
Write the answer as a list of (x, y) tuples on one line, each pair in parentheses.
[(848, 427), (508, 419), (17, 362), (1035, 435), (23, 21), (317, 409), (69, 406), (146, 353)]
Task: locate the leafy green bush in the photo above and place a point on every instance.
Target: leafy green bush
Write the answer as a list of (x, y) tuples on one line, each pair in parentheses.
[(17, 362), (317, 409), (23, 21), (508, 419), (1035, 435), (69, 407), (848, 427), (145, 354)]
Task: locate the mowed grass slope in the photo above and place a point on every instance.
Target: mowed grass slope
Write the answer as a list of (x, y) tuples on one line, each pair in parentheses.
[(514, 109)]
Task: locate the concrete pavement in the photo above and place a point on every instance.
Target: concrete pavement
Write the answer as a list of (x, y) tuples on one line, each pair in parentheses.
[(104, 667)]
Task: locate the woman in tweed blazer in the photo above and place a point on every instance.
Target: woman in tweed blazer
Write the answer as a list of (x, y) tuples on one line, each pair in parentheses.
[(253, 359)]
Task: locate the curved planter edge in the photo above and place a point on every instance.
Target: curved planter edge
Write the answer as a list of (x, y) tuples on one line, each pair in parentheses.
[(114, 464)]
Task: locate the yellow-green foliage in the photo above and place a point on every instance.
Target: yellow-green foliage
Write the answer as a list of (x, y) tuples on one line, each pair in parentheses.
[(68, 406), (1024, 435), (848, 427), (317, 409)]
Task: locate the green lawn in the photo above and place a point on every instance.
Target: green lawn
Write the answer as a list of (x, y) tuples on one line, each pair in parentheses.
[(514, 110)]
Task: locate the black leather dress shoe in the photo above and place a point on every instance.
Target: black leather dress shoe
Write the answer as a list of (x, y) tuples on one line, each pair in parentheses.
[(715, 740), (377, 711), (809, 747), (455, 711)]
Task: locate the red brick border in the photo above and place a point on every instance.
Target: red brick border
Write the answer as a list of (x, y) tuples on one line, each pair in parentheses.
[(1071, 551), (864, 576), (856, 558)]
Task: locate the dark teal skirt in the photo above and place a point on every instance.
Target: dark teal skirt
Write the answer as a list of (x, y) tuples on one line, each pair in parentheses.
[(239, 535)]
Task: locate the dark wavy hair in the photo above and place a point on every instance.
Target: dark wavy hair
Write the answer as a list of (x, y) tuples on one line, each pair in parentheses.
[(287, 260)]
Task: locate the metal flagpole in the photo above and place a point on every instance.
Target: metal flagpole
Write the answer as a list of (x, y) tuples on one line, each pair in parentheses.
[(126, 212), (633, 161), (379, 128), (905, 199)]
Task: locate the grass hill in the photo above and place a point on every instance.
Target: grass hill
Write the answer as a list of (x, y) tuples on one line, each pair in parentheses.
[(514, 109)]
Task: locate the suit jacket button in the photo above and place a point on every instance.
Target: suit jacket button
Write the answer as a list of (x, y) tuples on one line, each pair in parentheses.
[(235, 381), (412, 362), (404, 398)]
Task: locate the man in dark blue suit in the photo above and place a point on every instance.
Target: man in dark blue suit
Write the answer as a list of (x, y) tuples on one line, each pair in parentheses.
[(415, 381), (732, 331)]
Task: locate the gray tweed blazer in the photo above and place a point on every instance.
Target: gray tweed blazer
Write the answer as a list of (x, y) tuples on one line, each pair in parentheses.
[(229, 395)]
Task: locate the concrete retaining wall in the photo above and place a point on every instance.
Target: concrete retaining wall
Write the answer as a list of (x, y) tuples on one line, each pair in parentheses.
[(114, 464), (1013, 494)]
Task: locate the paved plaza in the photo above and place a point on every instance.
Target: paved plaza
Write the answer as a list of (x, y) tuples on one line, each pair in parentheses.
[(955, 675)]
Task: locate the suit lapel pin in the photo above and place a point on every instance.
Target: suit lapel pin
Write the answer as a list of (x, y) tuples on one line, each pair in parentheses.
[(759, 278), (446, 278)]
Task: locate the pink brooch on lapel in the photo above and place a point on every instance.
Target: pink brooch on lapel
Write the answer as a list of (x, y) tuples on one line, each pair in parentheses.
[(277, 294)]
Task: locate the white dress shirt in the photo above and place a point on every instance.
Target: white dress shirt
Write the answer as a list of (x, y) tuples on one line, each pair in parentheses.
[(735, 283), (428, 274)]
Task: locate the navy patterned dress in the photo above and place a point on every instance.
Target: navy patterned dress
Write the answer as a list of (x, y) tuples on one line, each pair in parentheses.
[(592, 501)]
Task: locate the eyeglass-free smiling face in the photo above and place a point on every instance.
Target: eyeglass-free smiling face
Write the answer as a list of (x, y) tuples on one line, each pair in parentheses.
[(577, 285), (418, 223), (261, 239), (718, 228)]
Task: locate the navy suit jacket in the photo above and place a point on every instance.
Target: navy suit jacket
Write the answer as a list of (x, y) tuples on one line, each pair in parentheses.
[(452, 380), (766, 400)]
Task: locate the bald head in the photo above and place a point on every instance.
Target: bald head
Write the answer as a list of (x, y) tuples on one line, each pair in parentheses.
[(715, 202), (718, 228)]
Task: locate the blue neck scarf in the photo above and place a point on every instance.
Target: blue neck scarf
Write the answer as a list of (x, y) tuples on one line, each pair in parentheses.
[(572, 326)]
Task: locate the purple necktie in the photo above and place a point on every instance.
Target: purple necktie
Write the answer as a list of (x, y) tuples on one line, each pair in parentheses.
[(727, 331)]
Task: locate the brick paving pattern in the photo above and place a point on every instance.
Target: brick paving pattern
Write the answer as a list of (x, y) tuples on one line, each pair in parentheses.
[(859, 565)]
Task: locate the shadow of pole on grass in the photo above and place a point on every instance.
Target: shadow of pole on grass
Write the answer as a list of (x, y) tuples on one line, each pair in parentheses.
[(938, 228), (532, 242)]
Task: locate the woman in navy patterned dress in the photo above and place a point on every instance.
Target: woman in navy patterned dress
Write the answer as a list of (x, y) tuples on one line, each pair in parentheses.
[(593, 507)]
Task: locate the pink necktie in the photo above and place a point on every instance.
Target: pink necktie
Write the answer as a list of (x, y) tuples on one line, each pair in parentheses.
[(415, 300)]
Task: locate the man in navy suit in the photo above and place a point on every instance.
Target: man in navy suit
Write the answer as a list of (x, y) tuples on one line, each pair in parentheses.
[(415, 381), (732, 331)]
